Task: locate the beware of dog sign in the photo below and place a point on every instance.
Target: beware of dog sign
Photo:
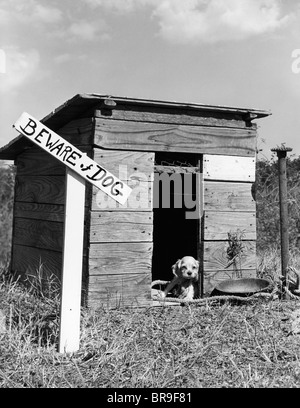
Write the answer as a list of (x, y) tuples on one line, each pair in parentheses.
[(72, 157), (80, 168)]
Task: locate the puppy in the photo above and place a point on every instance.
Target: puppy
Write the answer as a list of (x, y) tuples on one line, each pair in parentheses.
[(186, 277)]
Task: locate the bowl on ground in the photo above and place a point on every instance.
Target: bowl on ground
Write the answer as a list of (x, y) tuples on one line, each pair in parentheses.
[(242, 287)]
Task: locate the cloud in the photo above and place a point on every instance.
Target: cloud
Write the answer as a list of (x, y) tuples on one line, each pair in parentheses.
[(29, 12), (217, 20), (116, 5), (88, 30), (21, 67), (205, 21)]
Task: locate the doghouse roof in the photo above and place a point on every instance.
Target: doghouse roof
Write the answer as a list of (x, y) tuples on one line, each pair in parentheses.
[(82, 105)]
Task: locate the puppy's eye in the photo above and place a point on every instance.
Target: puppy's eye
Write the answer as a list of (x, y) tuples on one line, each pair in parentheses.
[(183, 268), (195, 267)]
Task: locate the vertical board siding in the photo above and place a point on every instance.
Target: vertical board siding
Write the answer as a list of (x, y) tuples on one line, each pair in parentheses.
[(121, 235), (229, 207)]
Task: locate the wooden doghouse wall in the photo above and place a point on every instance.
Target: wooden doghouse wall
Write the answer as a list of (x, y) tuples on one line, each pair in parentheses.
[(120, 255), (121, 236), (39, 205), (228, 207)]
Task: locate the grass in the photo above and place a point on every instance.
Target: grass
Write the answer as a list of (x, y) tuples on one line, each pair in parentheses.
[(223, 345)]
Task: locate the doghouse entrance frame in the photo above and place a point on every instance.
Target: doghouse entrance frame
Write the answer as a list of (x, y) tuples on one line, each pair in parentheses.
[(176, 226)]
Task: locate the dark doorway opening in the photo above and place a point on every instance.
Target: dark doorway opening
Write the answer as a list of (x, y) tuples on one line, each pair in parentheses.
[(174, 234)]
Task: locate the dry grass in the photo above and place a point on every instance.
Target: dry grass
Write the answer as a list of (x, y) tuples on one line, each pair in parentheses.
[(225, 345)]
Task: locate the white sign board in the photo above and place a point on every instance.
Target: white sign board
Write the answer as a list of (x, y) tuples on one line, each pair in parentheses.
[(72, 157)]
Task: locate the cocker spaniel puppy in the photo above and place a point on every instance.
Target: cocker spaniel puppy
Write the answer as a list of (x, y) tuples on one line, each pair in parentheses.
[(185, 281)]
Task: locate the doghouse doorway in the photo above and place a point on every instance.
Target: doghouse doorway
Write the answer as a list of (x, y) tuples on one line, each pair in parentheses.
[(174, 234)]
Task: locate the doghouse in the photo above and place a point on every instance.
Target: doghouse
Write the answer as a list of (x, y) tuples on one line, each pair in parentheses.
[(192, 171)]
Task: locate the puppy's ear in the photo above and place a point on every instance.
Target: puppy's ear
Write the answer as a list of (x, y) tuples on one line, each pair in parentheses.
[(198, 264), (176, 267)]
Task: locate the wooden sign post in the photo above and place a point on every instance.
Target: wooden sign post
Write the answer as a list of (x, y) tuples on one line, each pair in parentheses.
[(80, 168)]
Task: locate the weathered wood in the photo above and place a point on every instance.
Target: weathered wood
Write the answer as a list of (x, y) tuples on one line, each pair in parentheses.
[(113, 291), (38, 234), (40, 189), (215, 256), (211, 279), (78, 131), (228, 196), (27, 261), (140, 199), (228, 168), (167, 115), (177, 138), (121, 227), (217, 224), (46, 212), (120, 258), (35, 161), (126, 165)]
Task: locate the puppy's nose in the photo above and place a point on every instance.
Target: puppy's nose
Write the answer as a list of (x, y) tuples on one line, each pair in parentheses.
[(189, 273)]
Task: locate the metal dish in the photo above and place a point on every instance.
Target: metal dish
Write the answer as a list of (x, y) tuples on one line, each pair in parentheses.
[(242, 287)]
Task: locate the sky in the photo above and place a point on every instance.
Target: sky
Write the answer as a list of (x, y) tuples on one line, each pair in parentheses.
[(238, 53)]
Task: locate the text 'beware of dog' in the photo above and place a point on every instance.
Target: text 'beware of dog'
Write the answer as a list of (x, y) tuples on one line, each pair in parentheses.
[(72, 157)]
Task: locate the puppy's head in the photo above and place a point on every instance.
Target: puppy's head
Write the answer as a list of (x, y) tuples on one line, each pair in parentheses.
[(186, 268)]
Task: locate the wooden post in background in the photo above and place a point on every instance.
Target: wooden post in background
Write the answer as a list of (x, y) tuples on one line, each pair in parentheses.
[(283, 206), (72, 263)]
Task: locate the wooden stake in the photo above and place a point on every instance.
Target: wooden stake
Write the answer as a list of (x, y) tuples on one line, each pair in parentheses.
[(72, 263)]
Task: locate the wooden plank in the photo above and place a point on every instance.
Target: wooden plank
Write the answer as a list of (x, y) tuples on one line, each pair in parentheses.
[(69, 333), (46, 212), (217, 224), (43, 190), (116, 258), (229, 168), (121, 227), (211, 279), (167, 115), (126, 165), (40, 189), (38, 234), (177, 138), (140, 199), (27, 260), (78, 132), (227, 196), (113, 291), (35, 161), (215, 256)]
